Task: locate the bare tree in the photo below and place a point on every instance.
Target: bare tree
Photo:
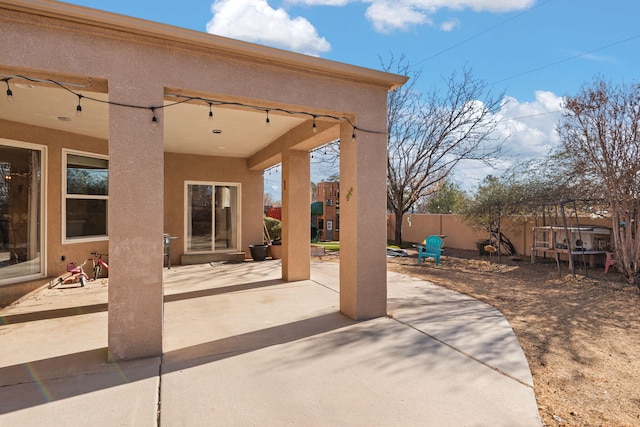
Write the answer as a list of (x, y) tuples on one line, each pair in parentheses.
[(600, 131), (268, 199), (430, 134)]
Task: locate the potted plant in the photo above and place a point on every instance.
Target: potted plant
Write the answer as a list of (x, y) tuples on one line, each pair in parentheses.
[(274, 230), (259, 252), (275, 249)]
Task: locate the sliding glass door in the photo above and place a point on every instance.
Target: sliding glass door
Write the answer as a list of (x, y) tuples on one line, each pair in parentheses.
[(20, 211), (212, 217)]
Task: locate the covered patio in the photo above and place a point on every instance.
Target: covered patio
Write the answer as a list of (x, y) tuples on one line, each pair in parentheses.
[(183, 123)]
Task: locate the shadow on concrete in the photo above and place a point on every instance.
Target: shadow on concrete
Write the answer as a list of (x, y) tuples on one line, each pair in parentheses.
[(222, 290), (12, 319), (43, 381)]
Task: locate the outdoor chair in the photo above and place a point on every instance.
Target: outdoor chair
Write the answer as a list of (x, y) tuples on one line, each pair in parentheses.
[(432, 248), (610, 259)]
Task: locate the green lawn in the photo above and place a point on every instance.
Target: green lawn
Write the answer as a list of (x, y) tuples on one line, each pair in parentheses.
[(329, 246), (335, 246), (404, 245)]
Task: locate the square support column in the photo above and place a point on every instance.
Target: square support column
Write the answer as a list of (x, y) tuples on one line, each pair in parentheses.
[(363, 223), (136, 218), (296, 215)]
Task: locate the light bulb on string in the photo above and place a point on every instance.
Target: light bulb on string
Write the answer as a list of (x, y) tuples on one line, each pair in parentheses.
[(154, 118), (9, 92), (79, 107)]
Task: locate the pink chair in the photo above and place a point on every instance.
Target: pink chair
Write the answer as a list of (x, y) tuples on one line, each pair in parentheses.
[(609, 261)]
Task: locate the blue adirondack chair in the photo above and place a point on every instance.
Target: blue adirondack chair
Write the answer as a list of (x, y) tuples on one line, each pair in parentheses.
[(432, 248)]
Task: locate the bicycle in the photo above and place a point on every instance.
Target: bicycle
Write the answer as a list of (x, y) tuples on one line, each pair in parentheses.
[(75, 274), (98, 264)]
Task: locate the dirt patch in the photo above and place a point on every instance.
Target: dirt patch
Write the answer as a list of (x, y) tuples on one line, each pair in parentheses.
[(580, 334)]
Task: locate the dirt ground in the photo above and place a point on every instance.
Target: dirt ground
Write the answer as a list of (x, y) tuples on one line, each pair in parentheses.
[(581, 335)]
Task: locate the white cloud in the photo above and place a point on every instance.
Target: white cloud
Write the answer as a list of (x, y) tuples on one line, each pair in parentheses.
[(390, 15), (531, 126), (387, 16), (476, 5), (449, 25), (530, 132), (321, 2), (256, 21)]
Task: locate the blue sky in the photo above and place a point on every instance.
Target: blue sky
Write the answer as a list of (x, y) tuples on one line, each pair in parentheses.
[(537, 51)]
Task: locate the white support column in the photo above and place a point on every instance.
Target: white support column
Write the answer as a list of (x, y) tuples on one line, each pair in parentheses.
[(136, 193), (363, 223), (296, 215)]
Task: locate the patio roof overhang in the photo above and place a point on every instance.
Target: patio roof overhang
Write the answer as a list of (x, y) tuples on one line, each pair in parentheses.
[(238, 128)]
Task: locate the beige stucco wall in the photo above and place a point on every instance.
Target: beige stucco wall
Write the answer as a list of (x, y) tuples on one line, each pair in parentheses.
[(137, 62), (459, 235), (55, 141), (125, 62), (179, 168)]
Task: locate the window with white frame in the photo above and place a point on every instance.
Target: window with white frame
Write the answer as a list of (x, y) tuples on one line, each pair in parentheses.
[(86, 183)]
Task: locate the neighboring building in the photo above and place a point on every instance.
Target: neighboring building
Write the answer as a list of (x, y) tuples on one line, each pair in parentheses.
[(273, 212), (328, 193), (173, 131)]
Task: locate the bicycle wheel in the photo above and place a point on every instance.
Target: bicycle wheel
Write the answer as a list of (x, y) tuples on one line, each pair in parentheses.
[(55, 282), (96, 271)]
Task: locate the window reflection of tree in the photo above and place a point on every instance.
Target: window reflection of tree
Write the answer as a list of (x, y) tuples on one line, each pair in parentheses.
[(87, 181)]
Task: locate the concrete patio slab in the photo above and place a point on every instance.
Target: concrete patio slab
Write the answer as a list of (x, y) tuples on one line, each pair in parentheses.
[(243, 348), (475, 329)]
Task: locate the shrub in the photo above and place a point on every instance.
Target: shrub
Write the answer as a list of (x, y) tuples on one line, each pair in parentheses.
[(274, 227)]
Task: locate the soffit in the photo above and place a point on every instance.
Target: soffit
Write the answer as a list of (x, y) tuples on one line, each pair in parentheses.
[(187, 128)]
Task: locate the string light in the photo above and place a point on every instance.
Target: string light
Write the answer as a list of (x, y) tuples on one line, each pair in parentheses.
[(79, 107), (272, 168), (322, 149), (9, 92), (185, 99)]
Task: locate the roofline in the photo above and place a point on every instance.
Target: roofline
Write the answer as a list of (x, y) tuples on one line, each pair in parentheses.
[(128, 24)]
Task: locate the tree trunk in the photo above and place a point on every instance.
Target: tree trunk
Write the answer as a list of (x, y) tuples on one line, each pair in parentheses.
[(398, 231), (499, 239)]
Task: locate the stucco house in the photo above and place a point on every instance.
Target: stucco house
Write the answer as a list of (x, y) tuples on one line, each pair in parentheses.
[(116, 130)]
